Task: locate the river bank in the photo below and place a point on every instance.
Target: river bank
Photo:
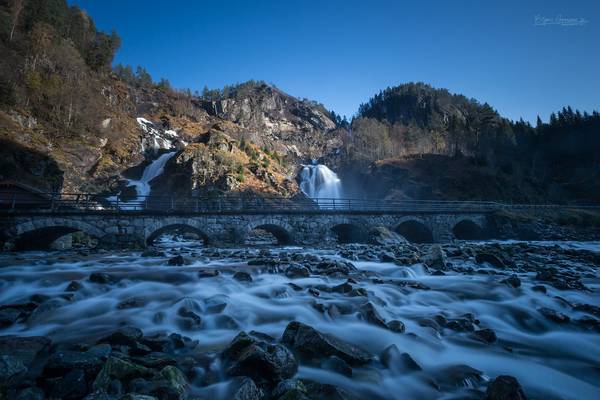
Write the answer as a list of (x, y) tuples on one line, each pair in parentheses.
[(344, 322)]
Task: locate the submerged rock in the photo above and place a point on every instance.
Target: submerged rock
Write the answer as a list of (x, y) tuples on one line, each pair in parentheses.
[(9, 316), (188, 319), (456, 376), (152, 253), (297, 271), (11, 369), (102, 277), (74, 286), (489, 258), (513, 281), (177, 261), (208, 273), (336, 364), (242, 276), (485, 335), (312, 344), (554, 315), (505, 387)]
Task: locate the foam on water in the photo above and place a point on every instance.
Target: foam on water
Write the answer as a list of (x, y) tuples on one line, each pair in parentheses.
[(550, 360)]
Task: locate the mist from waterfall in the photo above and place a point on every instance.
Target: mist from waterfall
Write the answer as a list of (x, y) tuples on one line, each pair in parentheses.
[(317, 181)]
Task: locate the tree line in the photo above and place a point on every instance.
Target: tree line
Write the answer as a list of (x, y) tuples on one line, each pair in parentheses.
[(52, 55)]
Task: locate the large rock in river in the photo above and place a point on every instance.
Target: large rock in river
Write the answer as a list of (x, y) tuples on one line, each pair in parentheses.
[(435, 259), (25, 349), (382, 236), (312, 344), (263, 362)]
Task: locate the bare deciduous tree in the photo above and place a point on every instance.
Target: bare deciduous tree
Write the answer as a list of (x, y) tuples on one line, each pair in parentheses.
[(16, 7)]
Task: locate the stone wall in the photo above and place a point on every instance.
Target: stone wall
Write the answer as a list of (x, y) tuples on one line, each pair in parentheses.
[(113, 230)]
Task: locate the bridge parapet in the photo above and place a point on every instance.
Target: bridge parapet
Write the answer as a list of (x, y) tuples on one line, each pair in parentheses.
[(93, 203)]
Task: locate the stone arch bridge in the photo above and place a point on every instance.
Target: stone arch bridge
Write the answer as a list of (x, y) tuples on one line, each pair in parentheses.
[(118, 229)]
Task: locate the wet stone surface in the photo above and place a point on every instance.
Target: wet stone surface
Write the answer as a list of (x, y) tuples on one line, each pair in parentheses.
[(392, 321)]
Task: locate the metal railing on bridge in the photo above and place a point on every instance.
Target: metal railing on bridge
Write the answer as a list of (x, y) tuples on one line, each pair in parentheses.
[(91, 203)]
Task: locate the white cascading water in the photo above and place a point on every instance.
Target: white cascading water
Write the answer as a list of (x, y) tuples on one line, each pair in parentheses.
[(531, 347), (319, 182), (142, 186)]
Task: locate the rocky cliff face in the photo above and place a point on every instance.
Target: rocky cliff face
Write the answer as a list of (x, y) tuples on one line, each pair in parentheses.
[(271, 118), (216, 163), (134, 124)]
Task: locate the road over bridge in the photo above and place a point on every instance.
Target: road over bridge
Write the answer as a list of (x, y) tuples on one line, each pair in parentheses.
[(229, 220)]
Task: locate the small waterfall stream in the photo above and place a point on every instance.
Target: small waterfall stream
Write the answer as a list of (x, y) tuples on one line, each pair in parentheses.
[(317, 181), (142, 186)]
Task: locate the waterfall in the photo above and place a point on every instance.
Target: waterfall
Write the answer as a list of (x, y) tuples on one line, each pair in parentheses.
[(142, 186), (154, 169), (318, 182)]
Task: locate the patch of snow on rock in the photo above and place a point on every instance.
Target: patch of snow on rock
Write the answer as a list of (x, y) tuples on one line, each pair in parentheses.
[(156, 138)]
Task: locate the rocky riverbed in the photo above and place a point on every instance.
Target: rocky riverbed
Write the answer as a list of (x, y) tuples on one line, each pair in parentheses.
[(464, 320)]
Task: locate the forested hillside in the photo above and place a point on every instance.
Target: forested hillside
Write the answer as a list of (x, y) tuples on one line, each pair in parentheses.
[(478, 153)]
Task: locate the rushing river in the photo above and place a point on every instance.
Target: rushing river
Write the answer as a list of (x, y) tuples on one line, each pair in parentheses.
[(550, 359)]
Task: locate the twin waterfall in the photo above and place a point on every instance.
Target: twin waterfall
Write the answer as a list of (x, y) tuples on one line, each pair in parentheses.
[(319, 182)]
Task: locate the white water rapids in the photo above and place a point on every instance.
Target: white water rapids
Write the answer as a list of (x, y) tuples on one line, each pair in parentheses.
[(551, 361)]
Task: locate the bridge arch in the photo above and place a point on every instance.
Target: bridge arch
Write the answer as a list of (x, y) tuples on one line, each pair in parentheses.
[(414, 229), (350, 232), (468, 229), (279, 229), (177, 227), (41, 233)]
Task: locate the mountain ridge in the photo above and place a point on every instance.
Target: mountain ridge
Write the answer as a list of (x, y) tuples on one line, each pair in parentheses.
[(70, 121)]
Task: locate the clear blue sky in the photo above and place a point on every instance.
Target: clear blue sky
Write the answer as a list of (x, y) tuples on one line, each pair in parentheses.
[(341, 52)]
